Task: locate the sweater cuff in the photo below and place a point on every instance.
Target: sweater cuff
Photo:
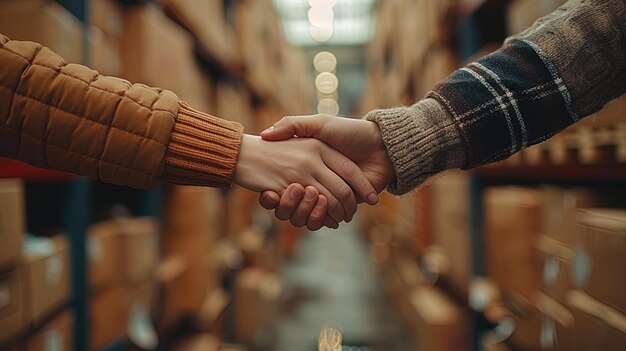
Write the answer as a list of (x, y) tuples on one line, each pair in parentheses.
[(421, 140), (203, 149)]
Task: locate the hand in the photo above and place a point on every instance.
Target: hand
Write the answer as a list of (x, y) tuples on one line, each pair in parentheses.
[(358, 139), (264, 165), (303, 206)]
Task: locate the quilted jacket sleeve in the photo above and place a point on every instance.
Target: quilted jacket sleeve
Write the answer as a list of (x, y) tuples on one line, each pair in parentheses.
[(70, 118)]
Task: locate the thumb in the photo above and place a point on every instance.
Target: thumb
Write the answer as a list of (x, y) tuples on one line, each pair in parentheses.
[(290, 126)]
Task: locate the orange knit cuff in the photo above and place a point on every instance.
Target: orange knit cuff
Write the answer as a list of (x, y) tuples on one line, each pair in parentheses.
[(203, 149)]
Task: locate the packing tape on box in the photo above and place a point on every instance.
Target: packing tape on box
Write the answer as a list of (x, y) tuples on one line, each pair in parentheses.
[(54, 270), (581, 267), (547, 337), (53, 341), (551, 270), (140, 329), (95, 250), (5, 295)]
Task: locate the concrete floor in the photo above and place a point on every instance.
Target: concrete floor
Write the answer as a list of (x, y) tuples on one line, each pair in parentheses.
[(332, 281)]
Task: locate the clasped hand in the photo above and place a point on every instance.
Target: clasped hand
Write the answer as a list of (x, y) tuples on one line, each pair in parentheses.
[(313, 170)]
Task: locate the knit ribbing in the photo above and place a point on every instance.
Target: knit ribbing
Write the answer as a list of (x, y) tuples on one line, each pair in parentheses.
[(421, 140), (203, 149)]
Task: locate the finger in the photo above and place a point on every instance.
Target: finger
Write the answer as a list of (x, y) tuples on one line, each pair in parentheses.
[(304, 209), (329, 222), (287, 127), (351, 174), (339, 190), (269, 199), (289, 200), (335, 208), (316, 217)]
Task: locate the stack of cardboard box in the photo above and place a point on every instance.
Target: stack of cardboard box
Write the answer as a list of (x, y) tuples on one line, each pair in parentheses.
[(34, 283), (11, 231), (557, 264), (45, 22), (123, 255), (598, 302), (141, 44), (257, 293), (191, 228)]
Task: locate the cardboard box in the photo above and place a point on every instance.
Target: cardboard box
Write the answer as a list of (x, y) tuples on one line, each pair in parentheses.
[(12, 316), (561, 206), (123, 251), (57, 335), (45, 273), (12, 222), (192, 209), (248, 310), (512, 225), (104, 254), (141, 300), (451, 225), (44, 22), (556, 267), (108, 16), (600, 256), (441, 324), (544, 324), (139, 248), (206, 19), (108, 315), (157, 52), (521, 14), (597, 326), (233, 103), (185, 292), (105, 52)]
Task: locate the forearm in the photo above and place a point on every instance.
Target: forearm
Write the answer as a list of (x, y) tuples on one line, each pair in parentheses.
[(70, 118), (567, 66)]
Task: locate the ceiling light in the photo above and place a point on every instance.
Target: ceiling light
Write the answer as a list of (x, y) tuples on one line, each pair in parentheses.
[(328, 107), (326, 83), (321, 34), (325, 62), (322, 3), (321, 16)]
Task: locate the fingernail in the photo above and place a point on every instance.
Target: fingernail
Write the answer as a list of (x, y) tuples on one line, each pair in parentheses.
[(297, 193), (267, 129), (372, 199), (309, 194)]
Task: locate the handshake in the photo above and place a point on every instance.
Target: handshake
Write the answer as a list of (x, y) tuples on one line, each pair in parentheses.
[(314, 170)]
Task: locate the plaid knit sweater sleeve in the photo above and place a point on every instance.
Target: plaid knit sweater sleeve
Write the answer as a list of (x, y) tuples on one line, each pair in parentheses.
[(565, 67)]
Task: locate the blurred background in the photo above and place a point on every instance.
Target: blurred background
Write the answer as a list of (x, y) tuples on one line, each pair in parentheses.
[(525, 254)]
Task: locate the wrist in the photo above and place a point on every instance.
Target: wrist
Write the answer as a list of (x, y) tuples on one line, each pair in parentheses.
[(243, 165)]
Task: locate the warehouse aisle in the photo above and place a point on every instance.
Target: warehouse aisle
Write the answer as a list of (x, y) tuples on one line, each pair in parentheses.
[(331, 280)]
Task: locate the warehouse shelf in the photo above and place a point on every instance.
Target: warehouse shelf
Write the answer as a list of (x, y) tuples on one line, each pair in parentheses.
[(574, 174), (16, 169), (118, 345)]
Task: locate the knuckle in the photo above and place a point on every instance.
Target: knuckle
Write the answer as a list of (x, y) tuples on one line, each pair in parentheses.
[(350, 169), (345, 193)]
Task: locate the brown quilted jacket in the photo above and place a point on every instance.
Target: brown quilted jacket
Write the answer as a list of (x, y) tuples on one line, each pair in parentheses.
[(70, 118)]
